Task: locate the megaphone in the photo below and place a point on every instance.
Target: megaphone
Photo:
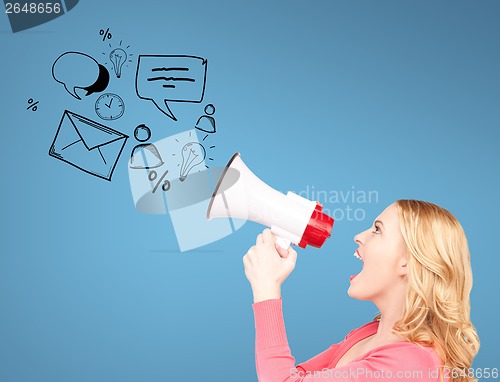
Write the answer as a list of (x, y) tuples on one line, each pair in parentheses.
[(240, 194)]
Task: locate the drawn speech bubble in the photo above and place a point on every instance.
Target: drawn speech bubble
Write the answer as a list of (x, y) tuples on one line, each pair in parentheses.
[(170, 78), (77, 70)]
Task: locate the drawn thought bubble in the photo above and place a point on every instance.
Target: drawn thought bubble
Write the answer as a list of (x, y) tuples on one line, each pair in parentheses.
[(162, 78), (79, 70)]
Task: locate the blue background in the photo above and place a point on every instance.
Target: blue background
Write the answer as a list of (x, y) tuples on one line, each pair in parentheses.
[(397, 97)]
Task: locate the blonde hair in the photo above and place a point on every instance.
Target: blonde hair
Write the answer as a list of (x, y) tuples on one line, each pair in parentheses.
[(439, 281)]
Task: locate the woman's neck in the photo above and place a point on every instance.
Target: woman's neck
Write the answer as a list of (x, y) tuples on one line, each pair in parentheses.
[(391, 310)]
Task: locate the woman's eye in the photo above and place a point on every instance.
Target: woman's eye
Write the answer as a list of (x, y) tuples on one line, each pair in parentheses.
[(377, 229)]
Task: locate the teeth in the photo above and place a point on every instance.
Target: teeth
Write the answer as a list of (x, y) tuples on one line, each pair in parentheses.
[(357, 256)]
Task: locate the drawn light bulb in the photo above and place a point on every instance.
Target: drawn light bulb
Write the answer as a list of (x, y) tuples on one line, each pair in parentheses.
[(192, 155), (118, 57)]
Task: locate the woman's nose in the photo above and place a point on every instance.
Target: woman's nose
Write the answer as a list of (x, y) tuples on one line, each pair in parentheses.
[(358, 239)]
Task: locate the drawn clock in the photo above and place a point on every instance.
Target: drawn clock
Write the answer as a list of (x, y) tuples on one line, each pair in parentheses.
[(109, 106)]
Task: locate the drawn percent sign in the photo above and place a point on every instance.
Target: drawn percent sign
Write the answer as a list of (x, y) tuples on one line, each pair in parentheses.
[(32, 105), (166, 183), (105, 34)]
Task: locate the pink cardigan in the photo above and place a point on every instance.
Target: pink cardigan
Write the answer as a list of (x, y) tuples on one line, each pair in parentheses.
[(401, 361)]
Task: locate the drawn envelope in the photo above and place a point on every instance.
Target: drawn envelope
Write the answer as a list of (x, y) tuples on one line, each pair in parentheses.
[(87, 145)]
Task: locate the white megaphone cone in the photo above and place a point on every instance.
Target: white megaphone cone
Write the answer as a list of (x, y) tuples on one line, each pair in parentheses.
[(293, 219)]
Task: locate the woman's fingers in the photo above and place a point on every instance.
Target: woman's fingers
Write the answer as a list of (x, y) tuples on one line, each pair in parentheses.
[(283, 252), (291, 258), (292, 253), (267, 236), (259, 239), (266, 265)]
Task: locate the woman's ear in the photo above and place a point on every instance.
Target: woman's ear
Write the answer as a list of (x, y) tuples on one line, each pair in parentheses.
[(403, 271), (403, 265)]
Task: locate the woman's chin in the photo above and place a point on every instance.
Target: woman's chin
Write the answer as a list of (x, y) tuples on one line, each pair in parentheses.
[(355, 292), (352, 292), (358, 296), (352, 287)]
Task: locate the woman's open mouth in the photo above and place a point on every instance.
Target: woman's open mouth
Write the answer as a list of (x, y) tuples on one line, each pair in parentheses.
[(356, 254)]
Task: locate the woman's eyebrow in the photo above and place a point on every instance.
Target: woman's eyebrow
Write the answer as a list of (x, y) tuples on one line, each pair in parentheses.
[(378, 221)]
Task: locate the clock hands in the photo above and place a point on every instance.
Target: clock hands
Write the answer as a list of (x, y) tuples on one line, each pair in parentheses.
[(112, 110)]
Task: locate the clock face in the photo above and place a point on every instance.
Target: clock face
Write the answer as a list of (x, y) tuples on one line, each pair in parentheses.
[(109, 106)]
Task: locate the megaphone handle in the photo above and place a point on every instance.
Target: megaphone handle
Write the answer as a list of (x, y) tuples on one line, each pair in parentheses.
[(282, 242)]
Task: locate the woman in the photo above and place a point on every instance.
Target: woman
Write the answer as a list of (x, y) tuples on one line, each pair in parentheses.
[(416, 270)]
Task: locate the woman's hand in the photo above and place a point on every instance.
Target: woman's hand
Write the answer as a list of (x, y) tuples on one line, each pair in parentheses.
[(267, 265)]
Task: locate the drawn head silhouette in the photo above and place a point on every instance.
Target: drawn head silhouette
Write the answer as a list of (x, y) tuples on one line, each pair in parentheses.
[(142, 133), (209, 109)]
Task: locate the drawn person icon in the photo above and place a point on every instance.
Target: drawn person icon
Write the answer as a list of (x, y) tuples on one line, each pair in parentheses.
[(206, 122), (144, 155)]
